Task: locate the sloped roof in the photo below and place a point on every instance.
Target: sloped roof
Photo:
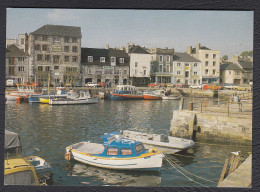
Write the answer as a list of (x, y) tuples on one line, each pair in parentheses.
[(59, 30), (107, 53), (246, 64), (229, 66), (14, 51), (184, 57), (138, 49)]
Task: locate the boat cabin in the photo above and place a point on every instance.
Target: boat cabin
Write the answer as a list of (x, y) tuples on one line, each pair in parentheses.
[(117, 146), (125, 89)]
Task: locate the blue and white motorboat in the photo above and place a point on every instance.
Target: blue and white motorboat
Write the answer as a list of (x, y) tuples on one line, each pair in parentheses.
[(35, 98), (126, 92), (116, 153)]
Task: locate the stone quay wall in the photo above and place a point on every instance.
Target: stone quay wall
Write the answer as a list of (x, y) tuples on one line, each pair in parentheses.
[(211, 127)]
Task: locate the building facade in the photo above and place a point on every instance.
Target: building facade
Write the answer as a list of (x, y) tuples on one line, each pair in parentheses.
[(186, 69), (17, 64), (161, 65), (21, 42), (105, 65), (230, 73), (210, 63), (140, 61), (55, 50)]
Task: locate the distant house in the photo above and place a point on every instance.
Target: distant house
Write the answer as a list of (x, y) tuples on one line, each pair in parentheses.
[(17, 64), (103, 65), (210, 62), (140, 61), (186, 69), (55, 50)]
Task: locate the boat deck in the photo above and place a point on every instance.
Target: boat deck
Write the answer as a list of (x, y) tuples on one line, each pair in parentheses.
[(92, 148)]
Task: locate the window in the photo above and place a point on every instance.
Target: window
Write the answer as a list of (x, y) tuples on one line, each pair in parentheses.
[(168, 59), (160, 68), (20, 68), (66, 39), (207, 56), (195, 65), (39, 68), (214, 56), (22, 41), (102, 59), (116, 71), (112, 151), (47, 68), (11, 70), (56, 59), (214, 71), (195, 73), (178, 64), (178, 72), (168, 68), (125, 72), (89, 71), (90, 59), (187, 64), (214, 63), (136, 63), (74, 39), (74, 59), (136, 71), (56, 40), (47, 58), (126, 152), (45, 47), (74, 49), (161, 58), (206, 71), (230, 72), (37, 47), (56, 67), (206, 63), (11, 60), (66, 48), (37, 38), (113, 59), (39, 57), (67, 58), (139, 148), (144, 72), (121, 60), (44, 38), (237, 72), (20, 58)]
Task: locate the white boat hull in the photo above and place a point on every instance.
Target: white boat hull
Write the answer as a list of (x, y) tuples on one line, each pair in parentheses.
[(170, 98), (73, 101)]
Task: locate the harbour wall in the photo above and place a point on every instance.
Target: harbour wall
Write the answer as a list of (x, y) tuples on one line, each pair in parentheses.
[(211, 127)]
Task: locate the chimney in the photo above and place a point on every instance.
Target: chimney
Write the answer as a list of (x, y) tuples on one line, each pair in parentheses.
[(197, 48), (189, 50), (107, 46), (127, 48)]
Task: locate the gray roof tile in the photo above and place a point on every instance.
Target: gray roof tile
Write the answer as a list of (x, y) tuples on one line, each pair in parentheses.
[(184, 57)]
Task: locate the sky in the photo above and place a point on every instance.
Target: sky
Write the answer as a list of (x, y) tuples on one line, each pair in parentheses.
[(231, 32)]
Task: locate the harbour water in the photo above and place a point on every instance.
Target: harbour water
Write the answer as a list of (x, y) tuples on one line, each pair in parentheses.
[(46, 130)]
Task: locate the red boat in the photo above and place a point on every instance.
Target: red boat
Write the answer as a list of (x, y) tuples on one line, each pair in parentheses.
[(152, 97)]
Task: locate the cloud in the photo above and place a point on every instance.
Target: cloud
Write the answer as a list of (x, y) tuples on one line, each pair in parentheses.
[(58, 15)]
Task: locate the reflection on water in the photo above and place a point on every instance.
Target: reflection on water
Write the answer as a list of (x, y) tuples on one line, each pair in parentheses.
[(51, 128)]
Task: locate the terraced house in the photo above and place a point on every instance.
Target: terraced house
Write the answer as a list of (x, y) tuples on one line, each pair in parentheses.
[(104, 65), (55, 50)]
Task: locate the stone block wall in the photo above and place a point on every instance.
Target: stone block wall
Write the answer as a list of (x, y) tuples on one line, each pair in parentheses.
[(212, 127)]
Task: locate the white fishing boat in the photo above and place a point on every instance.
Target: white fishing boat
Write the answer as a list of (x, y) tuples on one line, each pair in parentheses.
[(171, 97), (116, 153), (74, 98), (22, 90), (43, 168), (167, 144)]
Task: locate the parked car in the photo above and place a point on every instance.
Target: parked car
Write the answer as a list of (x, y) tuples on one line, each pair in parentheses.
[(92, 85), (11, 83), (155, 85), (231, 87), (196, 86), (215, 87)]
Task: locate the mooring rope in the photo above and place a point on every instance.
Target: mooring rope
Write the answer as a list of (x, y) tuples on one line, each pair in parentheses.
[(183, 173), (188, 171)]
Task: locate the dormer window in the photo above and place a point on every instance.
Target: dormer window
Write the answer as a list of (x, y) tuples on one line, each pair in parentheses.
[(113, 59), (102, 59), (90, 59), (121, 60)]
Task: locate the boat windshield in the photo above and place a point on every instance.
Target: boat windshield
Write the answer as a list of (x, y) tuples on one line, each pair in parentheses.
[(139, 148)]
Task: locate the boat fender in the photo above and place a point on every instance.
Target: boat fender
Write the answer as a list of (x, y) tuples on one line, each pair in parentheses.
[(153, 150), (68, 155)]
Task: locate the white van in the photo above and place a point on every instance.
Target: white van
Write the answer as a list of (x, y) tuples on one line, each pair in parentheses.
[(11, 83)]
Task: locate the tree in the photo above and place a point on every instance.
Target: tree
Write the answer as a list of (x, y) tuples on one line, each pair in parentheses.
[(225, 57), (247, 53)]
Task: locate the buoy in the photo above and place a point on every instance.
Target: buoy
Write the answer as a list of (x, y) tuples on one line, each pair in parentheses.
[(68, 155)]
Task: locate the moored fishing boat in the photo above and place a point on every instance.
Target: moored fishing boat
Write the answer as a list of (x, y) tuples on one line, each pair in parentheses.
[(22, 90), (126, 92), (167, 144), (74, 98), (35, 98), (171, 97), (116, 153), (154, 95)]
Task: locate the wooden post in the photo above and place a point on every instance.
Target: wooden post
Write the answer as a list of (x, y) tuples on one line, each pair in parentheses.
[(231, 164), (224, 170), (201, 105), (181, 104)]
